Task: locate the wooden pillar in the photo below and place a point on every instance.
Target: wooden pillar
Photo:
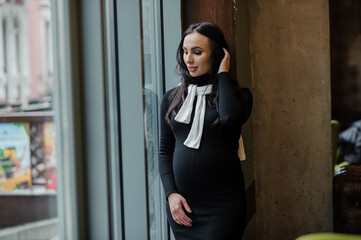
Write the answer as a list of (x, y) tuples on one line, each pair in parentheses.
[(220, 12)]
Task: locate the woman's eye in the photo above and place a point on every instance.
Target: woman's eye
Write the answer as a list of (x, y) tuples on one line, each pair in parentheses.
[(197, 52), (185, 52)]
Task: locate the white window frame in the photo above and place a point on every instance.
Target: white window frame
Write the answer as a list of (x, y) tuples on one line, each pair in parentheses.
[(70, 189)]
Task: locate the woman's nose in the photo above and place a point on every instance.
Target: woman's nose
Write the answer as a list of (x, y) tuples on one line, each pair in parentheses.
[(189, 58)]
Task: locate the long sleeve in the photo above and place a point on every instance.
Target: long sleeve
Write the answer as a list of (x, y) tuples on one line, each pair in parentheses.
[(166, 149), (234, 106)]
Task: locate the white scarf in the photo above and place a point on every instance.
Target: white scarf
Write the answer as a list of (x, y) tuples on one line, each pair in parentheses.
[(184, 116)]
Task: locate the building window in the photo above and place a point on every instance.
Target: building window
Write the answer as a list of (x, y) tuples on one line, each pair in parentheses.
[(4, 35), (17, 45), (49, 49)]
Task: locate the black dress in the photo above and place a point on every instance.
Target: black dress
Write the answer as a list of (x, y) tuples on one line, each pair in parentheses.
[(209, 178)]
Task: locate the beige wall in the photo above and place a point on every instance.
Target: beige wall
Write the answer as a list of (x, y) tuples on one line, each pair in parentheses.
[(290, 125)]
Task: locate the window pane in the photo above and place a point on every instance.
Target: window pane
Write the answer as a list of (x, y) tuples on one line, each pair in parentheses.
[(28, 164), (152, 93)]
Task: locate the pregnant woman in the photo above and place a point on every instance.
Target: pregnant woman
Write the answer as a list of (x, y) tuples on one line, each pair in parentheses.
[(201, 123)]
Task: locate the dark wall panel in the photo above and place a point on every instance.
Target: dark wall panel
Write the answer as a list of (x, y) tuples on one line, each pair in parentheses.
[(345, 37), (220, 12)]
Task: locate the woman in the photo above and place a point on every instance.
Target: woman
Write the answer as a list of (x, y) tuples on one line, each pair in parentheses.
[(201, 122)]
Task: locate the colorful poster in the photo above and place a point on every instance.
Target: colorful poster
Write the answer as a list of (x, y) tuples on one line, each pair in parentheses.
[(15, 165), (49, 155)]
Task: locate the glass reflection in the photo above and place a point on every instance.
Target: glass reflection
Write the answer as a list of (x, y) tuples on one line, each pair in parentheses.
[(151, 90), (28, 179)]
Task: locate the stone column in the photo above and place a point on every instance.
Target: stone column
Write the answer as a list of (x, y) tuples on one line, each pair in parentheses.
[(290, 61)]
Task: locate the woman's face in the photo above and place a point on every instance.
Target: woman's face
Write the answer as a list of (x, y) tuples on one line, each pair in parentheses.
[(197, 54)]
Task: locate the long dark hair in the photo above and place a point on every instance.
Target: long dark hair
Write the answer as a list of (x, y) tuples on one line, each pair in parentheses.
[(217, 43)]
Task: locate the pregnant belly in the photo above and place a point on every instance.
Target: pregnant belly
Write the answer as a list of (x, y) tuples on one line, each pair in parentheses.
[(197, 171)]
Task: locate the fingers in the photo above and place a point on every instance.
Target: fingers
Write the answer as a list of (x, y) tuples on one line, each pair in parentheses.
[(181, 218), (178, 214), (225, 64), (226, 53), (186, 206)]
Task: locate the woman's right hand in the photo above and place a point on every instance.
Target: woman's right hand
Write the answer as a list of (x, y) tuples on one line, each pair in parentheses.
[(225, 63), (176, 204)]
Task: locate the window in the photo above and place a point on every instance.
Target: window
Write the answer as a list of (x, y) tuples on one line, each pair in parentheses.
[(153, 92), (33, 155), (3, 63), (17, 45), (49, 48), (4, 27), (139, 54)]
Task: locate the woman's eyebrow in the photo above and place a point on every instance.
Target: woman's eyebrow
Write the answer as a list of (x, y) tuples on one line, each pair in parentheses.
[(193, 48), (196, 47)]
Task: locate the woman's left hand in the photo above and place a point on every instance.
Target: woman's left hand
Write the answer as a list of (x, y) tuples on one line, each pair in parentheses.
[(224, 66)]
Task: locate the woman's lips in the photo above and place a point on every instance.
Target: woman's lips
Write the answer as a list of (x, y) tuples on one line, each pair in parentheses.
[(192, 69)]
